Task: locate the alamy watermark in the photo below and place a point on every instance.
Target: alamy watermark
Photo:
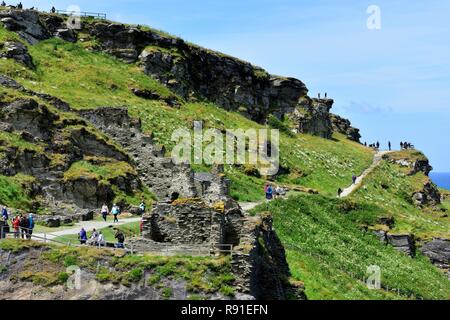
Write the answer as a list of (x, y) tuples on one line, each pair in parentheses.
[(374, 277), (74, 19), (258, 147), (374, 20)]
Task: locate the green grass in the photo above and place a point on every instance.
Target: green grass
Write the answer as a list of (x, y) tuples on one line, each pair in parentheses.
[(14, 192), (391, 188), (14, 140), (129, 229), (329, 252)]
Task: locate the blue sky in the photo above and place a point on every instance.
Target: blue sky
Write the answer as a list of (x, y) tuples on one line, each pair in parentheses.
[(393, 83)]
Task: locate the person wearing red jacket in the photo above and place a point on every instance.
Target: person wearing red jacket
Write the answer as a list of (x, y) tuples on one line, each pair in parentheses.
[(16, 226)]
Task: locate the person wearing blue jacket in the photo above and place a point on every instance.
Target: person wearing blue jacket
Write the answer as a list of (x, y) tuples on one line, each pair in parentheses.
[(5, 213), (30, 225), (82, 236)]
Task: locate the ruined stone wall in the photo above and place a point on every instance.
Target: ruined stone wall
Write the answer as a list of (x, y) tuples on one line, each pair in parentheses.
[(166, 179)]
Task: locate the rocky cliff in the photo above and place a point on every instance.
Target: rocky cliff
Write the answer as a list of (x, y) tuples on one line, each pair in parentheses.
[(188, 70)]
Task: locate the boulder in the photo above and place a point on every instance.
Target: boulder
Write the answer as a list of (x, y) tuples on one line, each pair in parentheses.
[(402, 242), (438, 251), (67, 34), (428, 196), (26, 23), (19, 52), (344, 126), (53, 222)]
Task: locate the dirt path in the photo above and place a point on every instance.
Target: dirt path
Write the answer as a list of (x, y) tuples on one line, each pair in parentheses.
[(376, 161)]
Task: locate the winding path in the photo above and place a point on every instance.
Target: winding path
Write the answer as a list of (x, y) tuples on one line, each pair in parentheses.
[(376, 161)]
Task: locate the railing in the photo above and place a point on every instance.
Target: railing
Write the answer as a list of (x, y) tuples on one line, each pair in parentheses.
[(96, 15), (24, 233)]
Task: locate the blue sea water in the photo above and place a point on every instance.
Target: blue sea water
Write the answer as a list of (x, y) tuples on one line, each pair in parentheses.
[(442, 179)]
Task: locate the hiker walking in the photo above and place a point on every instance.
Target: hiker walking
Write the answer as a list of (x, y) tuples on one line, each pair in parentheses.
[(82, 236), (53, 10), (326, 95), (115, 211), (142, 207), (30, 226), (105, 212), (378, 145), (354, 179), (401, 145), (390, 146), (339, 192), (120, 239)]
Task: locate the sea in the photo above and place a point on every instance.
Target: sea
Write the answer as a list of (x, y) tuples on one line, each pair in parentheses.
[(442, 179)]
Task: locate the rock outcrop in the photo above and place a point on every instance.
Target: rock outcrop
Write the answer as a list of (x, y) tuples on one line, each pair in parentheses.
[(344, 126), (17, 51), (428, 196), (438, 251), (402, 242), (312, 116)]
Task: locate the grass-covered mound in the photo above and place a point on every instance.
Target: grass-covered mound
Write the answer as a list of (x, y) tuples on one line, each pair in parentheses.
[(329, 251)]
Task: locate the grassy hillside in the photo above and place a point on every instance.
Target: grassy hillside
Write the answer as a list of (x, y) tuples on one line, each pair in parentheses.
[(89, 79), (330, 253), (391, 188)]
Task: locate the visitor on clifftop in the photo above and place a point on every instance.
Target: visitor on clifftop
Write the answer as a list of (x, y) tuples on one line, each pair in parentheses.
[(53, 10), (390, 146), (105, 211), (354, 178), (339, 192)]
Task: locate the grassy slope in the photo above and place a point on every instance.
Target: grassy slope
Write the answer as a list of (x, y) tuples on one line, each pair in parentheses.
[(327, 249), (395, 200), (88, 80)]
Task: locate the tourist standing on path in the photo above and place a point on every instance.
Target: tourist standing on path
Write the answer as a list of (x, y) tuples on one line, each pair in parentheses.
[(3, 228), (82, 235), (354, 179), (5, 213), (30, 225), (23, 226), (101, 240), (105, 212), (378, 145), (390, 146), (16, 226), (115, 211), (339, 192)]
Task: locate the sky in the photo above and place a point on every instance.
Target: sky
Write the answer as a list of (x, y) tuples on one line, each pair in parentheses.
[(393, 82)]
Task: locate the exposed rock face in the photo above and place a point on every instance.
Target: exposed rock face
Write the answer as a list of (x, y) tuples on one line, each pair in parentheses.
[(313, 117), (344, 126), (18, 52), (166, 179), (438, 251), (402, 242), (428, 196), (26, 23), (416, 166)]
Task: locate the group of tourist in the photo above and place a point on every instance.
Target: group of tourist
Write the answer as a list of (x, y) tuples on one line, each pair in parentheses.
[(22, 225), (97, 239), (406, 145), (273, 193), (18, 6)]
